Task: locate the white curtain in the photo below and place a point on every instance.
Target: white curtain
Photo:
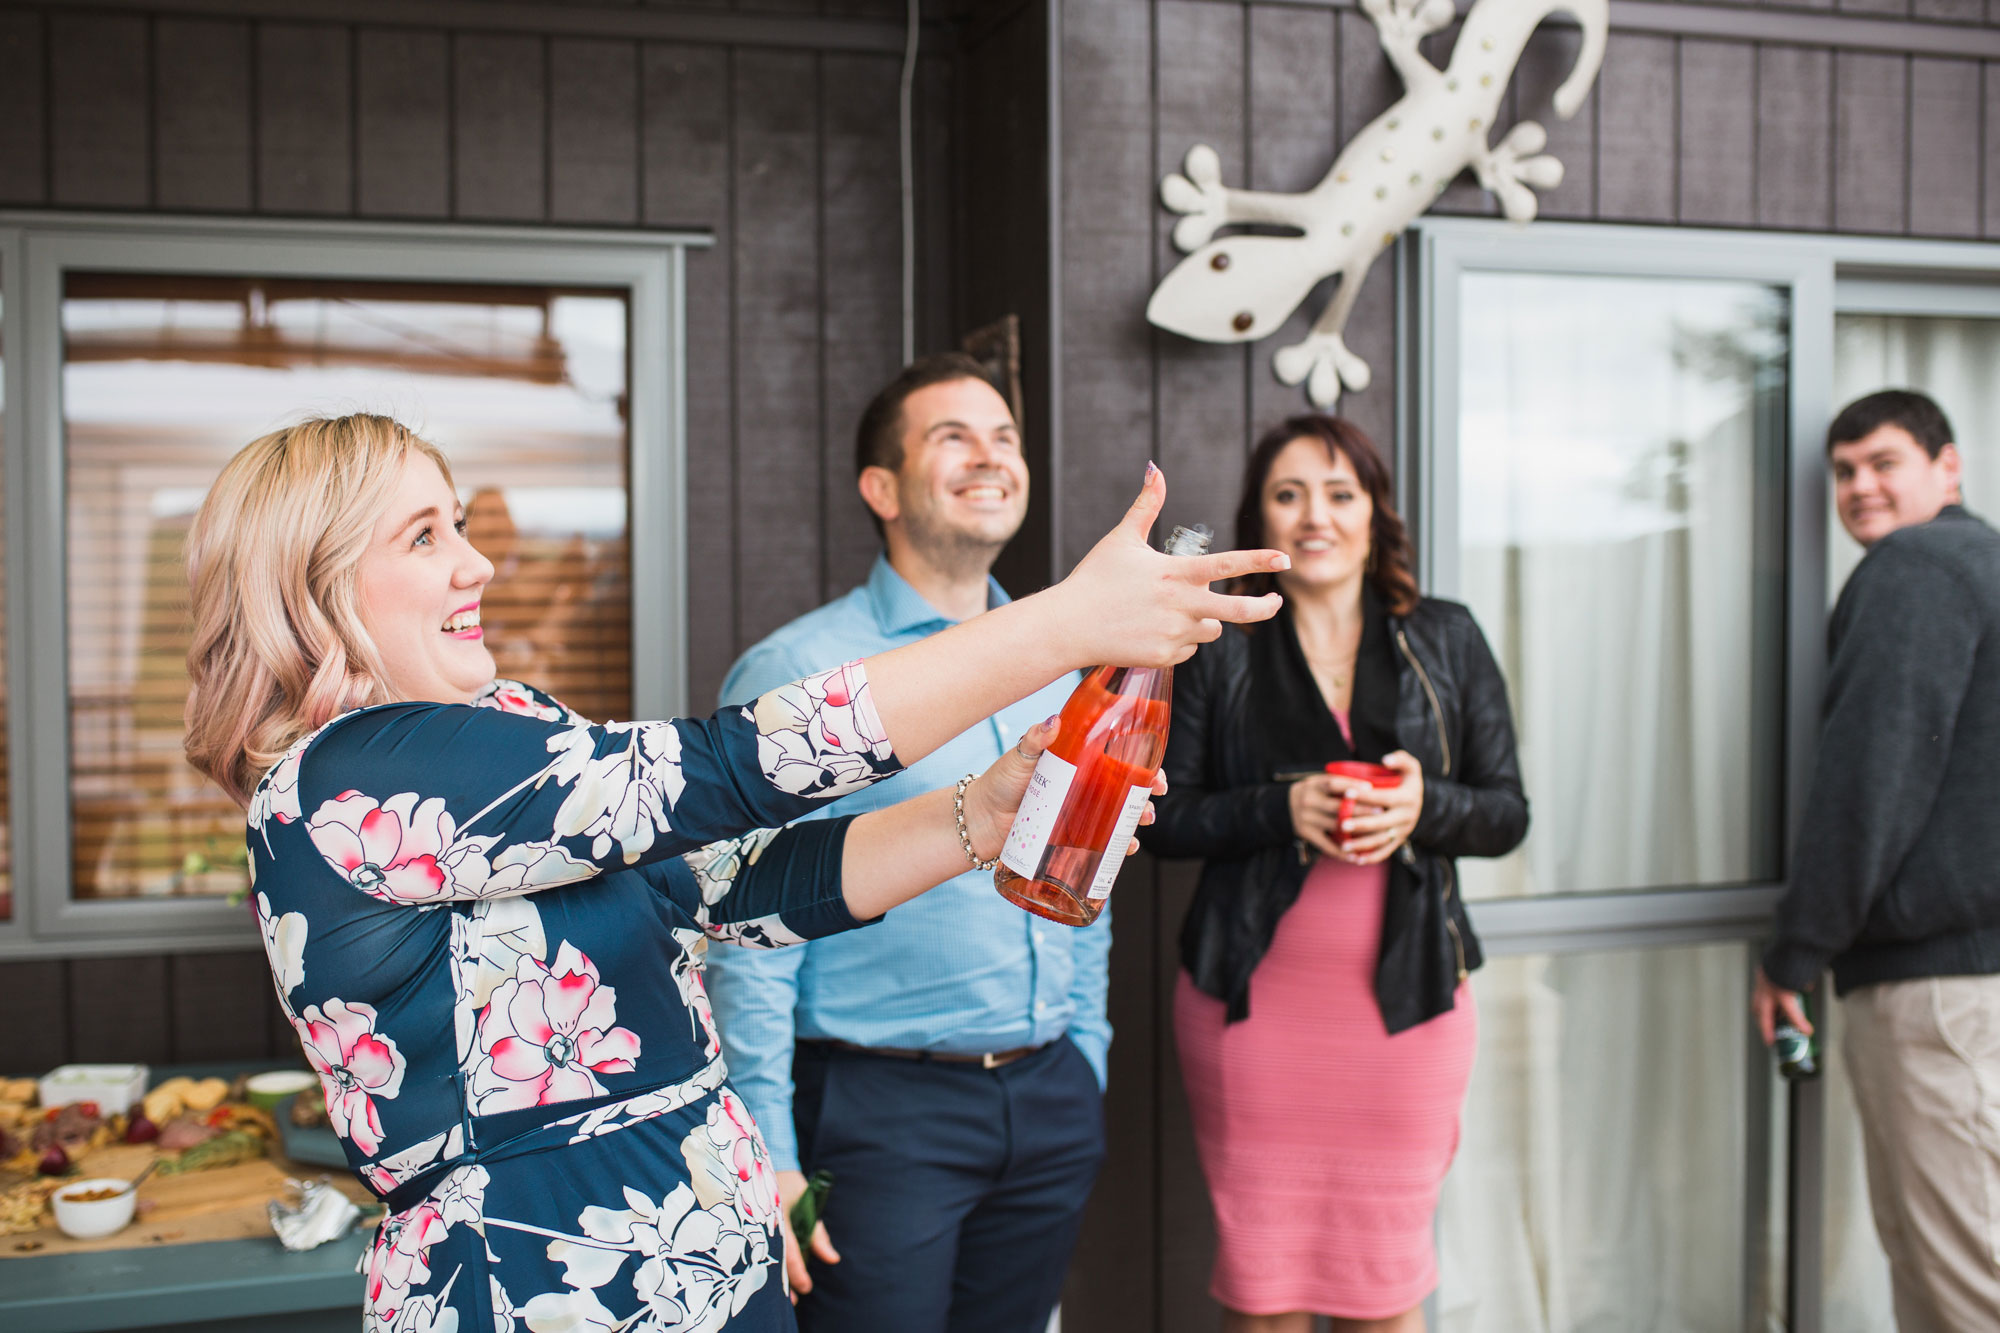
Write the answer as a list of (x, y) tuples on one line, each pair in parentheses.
[(1616, 528), (1600, 1181)]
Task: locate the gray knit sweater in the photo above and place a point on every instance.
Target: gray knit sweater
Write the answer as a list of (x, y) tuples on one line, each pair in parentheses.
[(1897, 869)]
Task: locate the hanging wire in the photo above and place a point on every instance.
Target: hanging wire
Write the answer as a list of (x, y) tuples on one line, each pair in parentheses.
[(909, 188)]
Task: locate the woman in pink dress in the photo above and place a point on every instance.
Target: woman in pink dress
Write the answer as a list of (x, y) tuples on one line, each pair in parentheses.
[(1325, 1026)]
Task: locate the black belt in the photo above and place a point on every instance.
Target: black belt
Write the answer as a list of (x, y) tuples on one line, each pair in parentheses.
[(987, 1060)]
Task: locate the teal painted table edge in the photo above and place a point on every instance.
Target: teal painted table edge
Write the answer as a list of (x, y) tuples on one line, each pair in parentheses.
[(180, 1284), (175, 1284)]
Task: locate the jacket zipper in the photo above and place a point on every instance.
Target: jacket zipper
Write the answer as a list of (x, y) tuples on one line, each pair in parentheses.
[(1444, 747), (1457, 944), (1444, 743)]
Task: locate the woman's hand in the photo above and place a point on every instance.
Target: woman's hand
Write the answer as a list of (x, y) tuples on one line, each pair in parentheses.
[(995, 795), (1384, 817), (1129, 605), (1315, 805)]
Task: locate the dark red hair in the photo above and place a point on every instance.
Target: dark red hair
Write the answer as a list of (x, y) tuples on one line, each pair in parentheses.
[(1389, 554)]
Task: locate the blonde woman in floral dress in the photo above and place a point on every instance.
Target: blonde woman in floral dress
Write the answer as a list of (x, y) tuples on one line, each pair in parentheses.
[(486, 916)]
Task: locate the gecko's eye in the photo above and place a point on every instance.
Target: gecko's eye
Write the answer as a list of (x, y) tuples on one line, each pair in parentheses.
[(1244, 319), (1220, 261)]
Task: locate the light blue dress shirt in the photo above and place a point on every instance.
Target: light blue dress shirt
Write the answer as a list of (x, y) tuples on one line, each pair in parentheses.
[(959, 969)]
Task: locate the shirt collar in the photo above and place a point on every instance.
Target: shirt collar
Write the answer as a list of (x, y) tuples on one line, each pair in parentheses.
[(900, 608)]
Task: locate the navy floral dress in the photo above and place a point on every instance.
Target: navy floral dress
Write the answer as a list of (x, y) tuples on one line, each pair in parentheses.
[(487, 925)]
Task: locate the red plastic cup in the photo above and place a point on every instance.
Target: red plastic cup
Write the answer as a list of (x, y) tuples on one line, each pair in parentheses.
[(1375, 775)]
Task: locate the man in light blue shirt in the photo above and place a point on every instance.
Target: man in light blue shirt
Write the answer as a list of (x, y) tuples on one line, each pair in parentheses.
[(947, 1065)]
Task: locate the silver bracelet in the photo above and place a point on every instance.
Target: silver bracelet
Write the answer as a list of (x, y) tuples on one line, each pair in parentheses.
[(965, 838)]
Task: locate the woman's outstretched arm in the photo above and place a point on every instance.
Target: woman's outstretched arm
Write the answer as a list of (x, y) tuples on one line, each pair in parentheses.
[(1124, 604)]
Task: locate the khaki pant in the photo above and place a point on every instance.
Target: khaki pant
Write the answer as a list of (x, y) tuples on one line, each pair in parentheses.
[(1924, 1059)]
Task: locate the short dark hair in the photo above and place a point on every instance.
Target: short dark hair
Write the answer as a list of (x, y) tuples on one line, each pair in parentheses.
[(1913, 411), (1391, 559), (878, 440)]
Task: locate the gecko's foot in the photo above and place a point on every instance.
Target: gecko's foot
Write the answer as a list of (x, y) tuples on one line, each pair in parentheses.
[(1197, 191), (1409, 20), (1515, 164), (1323, 363)]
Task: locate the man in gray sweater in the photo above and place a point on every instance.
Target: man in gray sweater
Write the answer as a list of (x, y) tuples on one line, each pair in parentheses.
[(1895, 882)]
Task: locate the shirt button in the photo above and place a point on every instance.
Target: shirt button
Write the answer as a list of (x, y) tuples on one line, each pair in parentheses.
[(1041, 1011)]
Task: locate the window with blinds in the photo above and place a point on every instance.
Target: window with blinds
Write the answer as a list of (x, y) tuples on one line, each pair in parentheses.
[(165, 377)]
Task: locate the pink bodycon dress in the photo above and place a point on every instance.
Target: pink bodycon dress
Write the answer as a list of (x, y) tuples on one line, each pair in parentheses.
[(1324, 1139)]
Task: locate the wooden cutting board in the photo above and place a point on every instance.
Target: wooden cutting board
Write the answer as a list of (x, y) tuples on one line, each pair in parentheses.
[(223, 1203)]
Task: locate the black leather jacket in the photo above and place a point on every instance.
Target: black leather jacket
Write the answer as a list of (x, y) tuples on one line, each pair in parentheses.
[(1224, 805)]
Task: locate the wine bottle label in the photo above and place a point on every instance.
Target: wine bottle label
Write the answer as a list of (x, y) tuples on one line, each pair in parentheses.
[(1036, 819), (1121, 838)]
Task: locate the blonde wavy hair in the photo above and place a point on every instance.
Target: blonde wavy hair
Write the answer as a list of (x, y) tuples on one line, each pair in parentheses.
[(279, 649)]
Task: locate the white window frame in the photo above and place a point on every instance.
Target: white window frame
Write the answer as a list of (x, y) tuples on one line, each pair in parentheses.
[(37, 249)]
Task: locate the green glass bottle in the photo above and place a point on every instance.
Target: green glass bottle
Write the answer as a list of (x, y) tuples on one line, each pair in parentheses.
[(806, 1212), (1798, 1053)]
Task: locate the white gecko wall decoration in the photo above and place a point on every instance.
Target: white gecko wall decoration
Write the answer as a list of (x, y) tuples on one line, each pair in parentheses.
[(1242, 287)]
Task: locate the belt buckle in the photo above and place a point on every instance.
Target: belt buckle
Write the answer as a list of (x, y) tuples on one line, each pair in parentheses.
[(990, 1060)]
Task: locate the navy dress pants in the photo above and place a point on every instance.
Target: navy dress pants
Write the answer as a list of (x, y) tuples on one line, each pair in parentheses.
[(957, 1190)]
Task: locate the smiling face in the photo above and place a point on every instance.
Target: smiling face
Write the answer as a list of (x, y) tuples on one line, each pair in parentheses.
[(1885, 480), (962, 489), (419, 585), (1317, 512)]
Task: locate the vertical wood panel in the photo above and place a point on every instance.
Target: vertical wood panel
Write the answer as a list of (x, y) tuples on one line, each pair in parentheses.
[(1637, 125), (500, 122), (1990, 79), (1794, 137), (1199, 433), (685, 175), (201, 103), (1109, 198), (1368, 84), (23, 131), (403, 123), (220, 1006), (1870, 141), (775, 101), (1371, 335), (35, 997), (305, 151), (1187, 1249), (1294, 120), (593, 131), (1545, 63), (1718, 139), (1367, 88), (861, 304), (119, 1010), (1108, 208), (98, 117), (1944, 147)]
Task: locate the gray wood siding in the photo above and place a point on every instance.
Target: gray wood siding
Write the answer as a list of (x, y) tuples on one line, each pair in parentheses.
[(788, 157), (1700, 131)]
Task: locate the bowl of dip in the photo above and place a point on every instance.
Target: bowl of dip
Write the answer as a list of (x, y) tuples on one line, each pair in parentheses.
[(87, 1209)]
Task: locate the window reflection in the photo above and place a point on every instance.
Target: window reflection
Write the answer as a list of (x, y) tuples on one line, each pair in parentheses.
[(165, 377), (1621, 445)]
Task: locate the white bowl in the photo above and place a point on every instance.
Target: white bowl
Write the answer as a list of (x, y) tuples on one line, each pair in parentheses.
[(101, 1217)]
